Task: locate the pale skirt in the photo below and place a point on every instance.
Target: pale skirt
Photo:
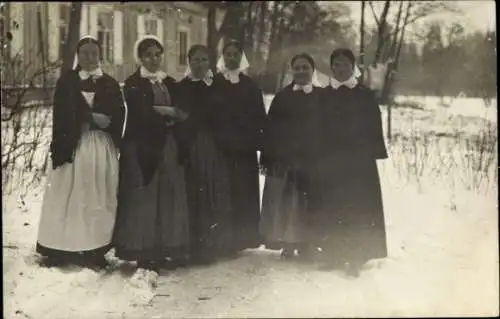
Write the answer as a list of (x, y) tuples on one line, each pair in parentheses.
[(79, 204)]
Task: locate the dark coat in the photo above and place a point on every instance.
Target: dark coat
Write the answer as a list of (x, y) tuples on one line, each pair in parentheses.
[(239, 121), (290, 133), (71, 111), (240, 114), (346, 201), (145, 126), (199, 101)]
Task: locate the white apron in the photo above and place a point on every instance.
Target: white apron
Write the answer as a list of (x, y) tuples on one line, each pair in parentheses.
[(79, 204)]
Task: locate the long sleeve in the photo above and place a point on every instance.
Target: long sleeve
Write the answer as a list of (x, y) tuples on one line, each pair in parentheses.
[(260, 117), (116, 112), (63, 122), (268, 156), (374, 138)]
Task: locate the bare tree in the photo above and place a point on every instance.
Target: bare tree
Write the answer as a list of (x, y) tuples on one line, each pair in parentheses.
[(362, 39), (72, 37)]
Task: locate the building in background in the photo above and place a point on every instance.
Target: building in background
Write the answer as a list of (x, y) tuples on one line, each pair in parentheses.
[(39, 31)]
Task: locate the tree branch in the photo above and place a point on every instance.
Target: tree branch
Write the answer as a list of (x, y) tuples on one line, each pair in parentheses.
[(374, 14)]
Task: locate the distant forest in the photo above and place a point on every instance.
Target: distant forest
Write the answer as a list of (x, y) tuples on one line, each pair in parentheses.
[(448, 63)]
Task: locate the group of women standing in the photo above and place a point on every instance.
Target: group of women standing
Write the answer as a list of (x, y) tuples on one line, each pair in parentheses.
[(176, 182)]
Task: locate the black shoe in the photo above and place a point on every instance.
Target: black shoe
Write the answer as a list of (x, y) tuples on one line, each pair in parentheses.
[(286, 254), (96, 263), (149, 265), (49, 262)]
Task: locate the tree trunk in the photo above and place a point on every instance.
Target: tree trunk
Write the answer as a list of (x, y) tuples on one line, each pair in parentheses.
[(393, 74), (250, 31), (212, 35), (362, 41), (258, 59), (385, 92), (381, 31), (72, 37)]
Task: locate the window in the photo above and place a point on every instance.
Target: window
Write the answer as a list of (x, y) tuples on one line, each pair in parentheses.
[(183, 47), (151, 25), (63, 26), (105, 35)]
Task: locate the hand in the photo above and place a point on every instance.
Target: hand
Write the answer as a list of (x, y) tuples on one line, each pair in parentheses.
[(181, 115), (101, 120), (262, 170), (165, 110), (169, 123)]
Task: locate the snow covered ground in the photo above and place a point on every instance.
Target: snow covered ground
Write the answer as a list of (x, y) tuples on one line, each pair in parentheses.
[(440, 198)]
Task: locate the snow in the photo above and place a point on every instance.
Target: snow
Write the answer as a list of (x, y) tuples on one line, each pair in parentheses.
[(441, 228)]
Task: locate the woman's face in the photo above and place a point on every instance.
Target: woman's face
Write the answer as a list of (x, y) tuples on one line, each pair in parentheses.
[(88, 56), (199, 64), (302, 71), (232, 57), (342, 68), (151, 58)]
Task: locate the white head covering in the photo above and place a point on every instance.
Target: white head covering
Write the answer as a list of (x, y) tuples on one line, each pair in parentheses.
[(75, 60), (233, 76), (138, 42)]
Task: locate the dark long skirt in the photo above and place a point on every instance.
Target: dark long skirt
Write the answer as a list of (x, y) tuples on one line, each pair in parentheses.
[(283, 212), (245, 202), (152, 220), (208, 198), (347, 217)]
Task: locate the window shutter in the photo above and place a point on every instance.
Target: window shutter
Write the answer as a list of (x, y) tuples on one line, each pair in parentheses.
[(84, 22), (53, 31), (159, 31), (118, 37), (93, 16), (140, 26)]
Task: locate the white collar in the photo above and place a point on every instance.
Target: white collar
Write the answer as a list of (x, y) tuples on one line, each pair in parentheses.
[(94, 74), (350, 83), (308, 88), (208, 79), (232, 76), (157, 76)]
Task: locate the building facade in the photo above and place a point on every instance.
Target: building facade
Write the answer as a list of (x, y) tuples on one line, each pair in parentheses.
[(39, 31)]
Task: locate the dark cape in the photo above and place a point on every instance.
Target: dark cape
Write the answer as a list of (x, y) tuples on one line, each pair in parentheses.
[(71, 111), (240, 118), (290, 137), (145, 126), (347, 218), (207, 182)]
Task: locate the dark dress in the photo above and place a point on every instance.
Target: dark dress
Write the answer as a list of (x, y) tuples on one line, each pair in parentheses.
[(153, 218), (288, 144), (239, 119), (206, 173), (345, 201)]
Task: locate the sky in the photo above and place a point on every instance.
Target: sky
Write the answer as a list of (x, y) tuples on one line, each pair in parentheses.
[(476, 15)]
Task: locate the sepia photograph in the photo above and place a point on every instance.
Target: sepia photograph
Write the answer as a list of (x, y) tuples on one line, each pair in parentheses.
[(249, 159)]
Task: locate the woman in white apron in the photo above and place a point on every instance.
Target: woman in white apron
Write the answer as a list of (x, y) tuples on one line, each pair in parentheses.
[(79, 205)]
